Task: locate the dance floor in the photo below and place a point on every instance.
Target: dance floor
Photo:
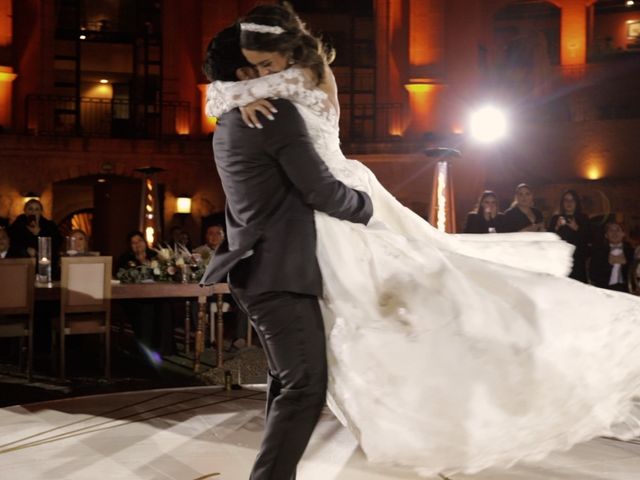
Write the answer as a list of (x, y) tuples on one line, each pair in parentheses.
[(205, 432)]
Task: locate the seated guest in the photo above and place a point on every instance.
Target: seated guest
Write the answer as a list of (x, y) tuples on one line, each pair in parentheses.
[(151, 320), (6, 249), (138, 254), (185, 240), (214, 236), (78, 242), (26, 229), (573, 227), (4, 222), (176, 237), (485, 218), (522, 216), (609, 266)]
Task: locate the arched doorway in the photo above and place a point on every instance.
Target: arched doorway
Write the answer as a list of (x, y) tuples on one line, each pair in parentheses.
[(107, 207)]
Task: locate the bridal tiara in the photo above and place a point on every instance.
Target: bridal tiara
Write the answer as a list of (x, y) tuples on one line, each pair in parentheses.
[(255, 27)]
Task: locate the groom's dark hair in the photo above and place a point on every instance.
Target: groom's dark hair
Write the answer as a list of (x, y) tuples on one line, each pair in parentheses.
[(224, 56)]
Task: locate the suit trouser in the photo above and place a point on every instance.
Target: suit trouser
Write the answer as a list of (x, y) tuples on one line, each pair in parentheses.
[(291, 330)]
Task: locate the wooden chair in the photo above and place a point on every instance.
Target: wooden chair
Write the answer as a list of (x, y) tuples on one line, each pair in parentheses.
[(17, 281), (85, 304)]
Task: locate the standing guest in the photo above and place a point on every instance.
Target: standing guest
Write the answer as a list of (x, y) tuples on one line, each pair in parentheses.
[(6, 249), (26, 229), (573, 227), (485, 218), (609, 266), (214, 236), (522, 216)]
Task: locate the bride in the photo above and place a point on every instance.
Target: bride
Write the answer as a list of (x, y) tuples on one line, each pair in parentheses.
[(446, 353)]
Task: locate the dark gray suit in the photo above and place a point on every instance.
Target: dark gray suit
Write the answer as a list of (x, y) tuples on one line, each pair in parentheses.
[(274, 180)]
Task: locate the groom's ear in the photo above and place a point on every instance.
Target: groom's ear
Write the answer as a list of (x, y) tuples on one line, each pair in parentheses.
[(246, 73)]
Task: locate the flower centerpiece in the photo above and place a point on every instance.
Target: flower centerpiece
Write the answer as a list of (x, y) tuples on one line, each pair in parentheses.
[(176, 264)]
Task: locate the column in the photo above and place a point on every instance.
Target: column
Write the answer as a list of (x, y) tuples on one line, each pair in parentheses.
[(426, 55), (391, 60), (573, 31)]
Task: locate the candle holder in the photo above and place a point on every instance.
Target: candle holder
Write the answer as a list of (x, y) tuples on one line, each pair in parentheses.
[(44, 260), (72, 248)]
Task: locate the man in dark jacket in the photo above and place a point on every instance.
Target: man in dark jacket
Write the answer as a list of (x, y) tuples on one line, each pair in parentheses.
[(609, 266), (274, 180)]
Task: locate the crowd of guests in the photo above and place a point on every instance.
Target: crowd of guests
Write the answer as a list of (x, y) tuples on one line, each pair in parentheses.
[(602, 256), (152, 321)]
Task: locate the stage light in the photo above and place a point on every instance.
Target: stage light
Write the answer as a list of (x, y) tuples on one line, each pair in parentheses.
[(83, 37), (488, 124), (104, 81), (630, 3)]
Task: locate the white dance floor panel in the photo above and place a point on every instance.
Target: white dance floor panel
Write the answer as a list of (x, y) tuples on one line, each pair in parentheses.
[(205, 432)]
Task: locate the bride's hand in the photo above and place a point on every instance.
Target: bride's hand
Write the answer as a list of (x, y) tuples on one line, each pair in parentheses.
[(250, 112)]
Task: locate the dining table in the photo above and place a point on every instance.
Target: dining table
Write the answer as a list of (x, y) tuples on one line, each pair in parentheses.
[(148, 290)]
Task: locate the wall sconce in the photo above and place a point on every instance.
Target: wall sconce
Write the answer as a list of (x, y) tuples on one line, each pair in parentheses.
[(30, 196), (183, 204)]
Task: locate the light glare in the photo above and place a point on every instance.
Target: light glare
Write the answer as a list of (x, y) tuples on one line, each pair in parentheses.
[(488, 124)]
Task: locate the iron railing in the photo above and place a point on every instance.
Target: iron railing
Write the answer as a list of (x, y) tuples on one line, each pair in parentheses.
[(100, 117), (372, 122)]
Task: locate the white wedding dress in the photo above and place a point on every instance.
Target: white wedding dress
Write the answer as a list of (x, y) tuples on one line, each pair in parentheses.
[(456, 353)]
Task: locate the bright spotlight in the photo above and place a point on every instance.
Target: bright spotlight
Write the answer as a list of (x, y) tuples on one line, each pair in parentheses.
[(488, 124)]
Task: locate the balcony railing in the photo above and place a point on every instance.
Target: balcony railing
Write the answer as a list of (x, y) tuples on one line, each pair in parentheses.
[(99, 117), (376, 122)]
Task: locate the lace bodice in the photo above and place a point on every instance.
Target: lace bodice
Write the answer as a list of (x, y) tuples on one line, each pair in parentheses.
[(293, 84), (319, 114)]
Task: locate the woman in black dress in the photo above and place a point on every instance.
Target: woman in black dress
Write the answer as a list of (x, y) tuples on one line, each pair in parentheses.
[(573, 227), (485, 218), (522, 216)]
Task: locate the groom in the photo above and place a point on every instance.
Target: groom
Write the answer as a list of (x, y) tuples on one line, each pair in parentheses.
[(274, 180)]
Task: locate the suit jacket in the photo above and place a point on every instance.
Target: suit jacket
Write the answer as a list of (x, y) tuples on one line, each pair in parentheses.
[(274, 180), (600, 268)]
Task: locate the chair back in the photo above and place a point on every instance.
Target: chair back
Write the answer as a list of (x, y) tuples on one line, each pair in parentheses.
[(85, 284), (17, 282)]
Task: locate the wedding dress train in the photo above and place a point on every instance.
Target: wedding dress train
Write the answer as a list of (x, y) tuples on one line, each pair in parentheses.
[(456, 353)]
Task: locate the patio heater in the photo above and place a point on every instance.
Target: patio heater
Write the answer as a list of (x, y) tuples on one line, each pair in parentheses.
[(150, 205), (442, 213)]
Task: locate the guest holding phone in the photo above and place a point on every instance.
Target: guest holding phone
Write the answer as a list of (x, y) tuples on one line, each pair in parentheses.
[(485, 218), (573, 227), (30, 225)]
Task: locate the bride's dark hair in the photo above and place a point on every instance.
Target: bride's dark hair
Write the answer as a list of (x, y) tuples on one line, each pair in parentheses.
[(296, 42)]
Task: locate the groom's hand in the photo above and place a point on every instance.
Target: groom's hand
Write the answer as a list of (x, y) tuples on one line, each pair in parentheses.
[(250, 112)]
